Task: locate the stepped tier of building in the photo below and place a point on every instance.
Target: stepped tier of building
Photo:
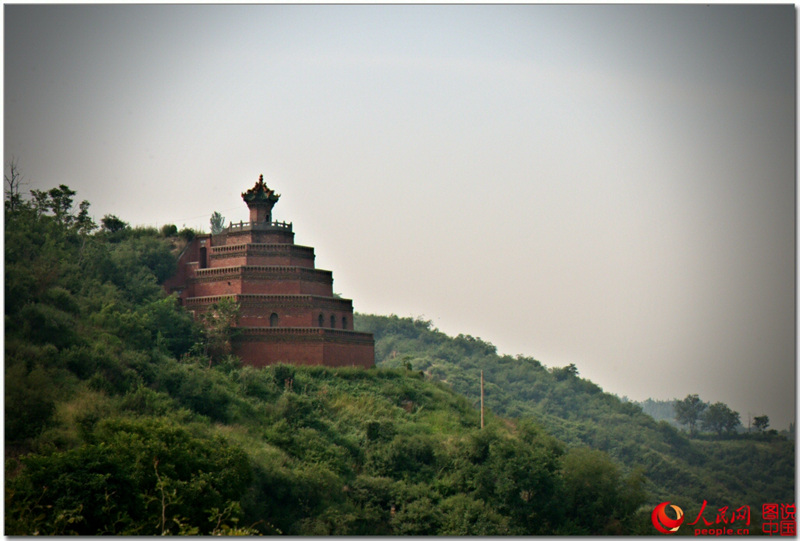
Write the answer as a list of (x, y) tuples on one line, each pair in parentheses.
[(287, 310)]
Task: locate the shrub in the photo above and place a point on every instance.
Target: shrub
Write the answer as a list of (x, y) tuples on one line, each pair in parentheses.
[(187, 234)]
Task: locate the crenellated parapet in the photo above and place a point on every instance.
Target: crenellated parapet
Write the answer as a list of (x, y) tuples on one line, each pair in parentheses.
[(264, 272), (262, 254), (293, 301), (261, 249)]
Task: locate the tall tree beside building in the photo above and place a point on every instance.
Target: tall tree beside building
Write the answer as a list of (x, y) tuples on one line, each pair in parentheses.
[(217, 223)]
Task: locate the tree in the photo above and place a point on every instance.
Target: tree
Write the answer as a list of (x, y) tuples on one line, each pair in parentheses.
[(689, 410), (569, 371), (761, 422), (219, 327), (13, 181), (57, 202), (598, 498), (112, 224), (141, 477), (720, 418), (217, 223), (463, 515)]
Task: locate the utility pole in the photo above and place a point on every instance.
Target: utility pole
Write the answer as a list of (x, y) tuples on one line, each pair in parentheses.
[(481, 398)]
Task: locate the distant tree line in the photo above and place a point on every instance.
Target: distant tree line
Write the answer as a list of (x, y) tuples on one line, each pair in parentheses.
[(692, 412)]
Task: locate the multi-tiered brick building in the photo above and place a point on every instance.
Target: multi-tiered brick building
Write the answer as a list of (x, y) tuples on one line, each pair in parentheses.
[(288, 313)]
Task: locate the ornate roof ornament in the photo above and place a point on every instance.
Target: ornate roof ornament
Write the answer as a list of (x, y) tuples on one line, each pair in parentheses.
[(260, 193)]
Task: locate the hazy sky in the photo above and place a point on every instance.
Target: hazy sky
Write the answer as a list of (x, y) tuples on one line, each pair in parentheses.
[(610, 186)]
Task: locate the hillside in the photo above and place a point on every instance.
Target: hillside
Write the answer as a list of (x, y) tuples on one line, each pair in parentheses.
[(730, 471), (125, 416)]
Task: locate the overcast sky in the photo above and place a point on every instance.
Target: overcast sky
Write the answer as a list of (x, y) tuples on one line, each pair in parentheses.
[(609, 186)]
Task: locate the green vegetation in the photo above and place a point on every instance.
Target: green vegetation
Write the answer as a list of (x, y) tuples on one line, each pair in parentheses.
[(732, 470), (217, 223), (660, 410), (125, 416), (720, 418), (761, 423), (690, 411)]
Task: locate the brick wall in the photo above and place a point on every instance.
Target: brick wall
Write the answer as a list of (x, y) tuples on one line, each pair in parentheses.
[(260, 287), (187, 264), (263, 351), (268, 273), (260, 237), (261, 354), (262, 254)]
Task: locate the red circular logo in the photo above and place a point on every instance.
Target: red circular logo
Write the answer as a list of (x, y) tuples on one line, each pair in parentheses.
[(662, 522)]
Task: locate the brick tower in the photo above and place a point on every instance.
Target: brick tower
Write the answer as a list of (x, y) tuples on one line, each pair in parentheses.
[(288, 313)]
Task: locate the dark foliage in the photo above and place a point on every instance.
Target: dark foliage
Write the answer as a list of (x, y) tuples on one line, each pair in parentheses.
[(666, 463), (123, 418)]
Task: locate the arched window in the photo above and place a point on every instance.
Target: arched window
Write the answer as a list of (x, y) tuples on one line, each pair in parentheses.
[(273, 320), (344, 322), (321, 320), (333, 321)]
